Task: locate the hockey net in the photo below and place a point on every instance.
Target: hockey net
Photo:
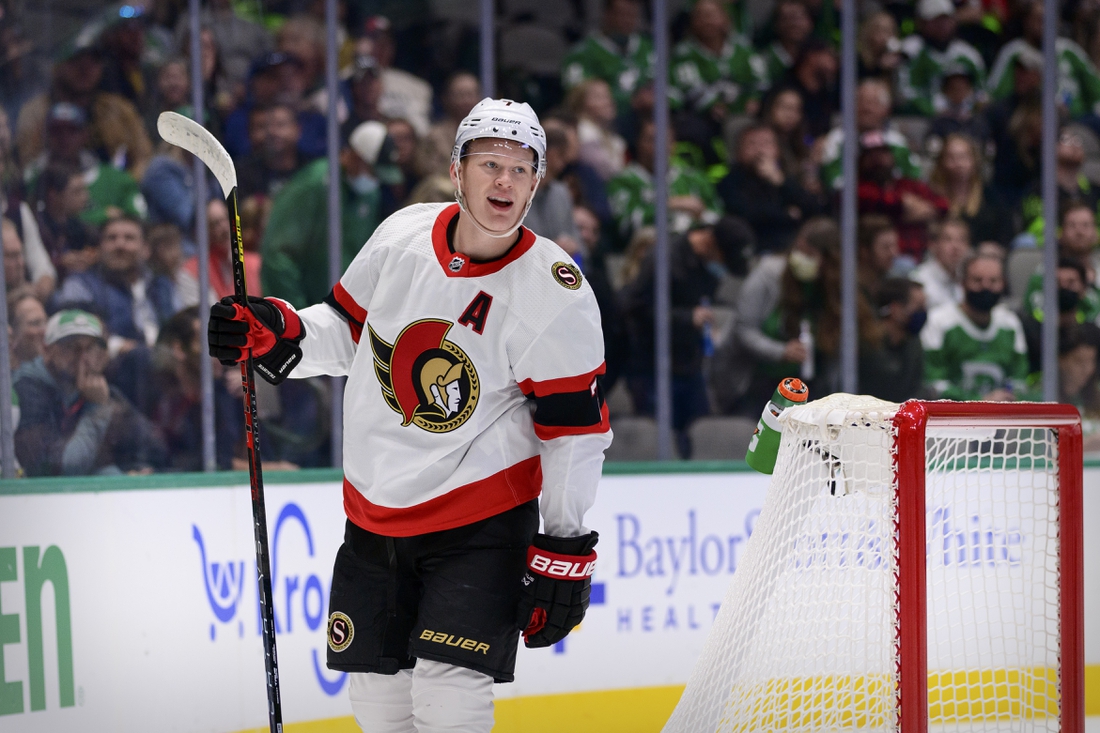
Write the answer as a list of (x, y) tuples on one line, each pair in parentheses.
[(845, 614)]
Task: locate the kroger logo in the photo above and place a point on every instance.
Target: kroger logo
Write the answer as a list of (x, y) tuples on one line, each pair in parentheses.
[(300, 599)]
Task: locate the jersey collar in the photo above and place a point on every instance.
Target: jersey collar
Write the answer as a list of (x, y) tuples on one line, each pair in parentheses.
[(456, 264)]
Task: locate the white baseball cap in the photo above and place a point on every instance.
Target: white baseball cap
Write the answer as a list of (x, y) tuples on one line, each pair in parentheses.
[(66, 323)]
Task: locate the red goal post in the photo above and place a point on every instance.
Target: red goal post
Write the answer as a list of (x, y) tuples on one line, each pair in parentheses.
[(914, 567), (911, 422)]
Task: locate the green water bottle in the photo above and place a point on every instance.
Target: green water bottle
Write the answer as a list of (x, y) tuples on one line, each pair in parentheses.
[(764, 446)]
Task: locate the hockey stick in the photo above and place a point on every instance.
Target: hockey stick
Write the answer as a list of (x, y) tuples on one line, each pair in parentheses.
[(197, 140)]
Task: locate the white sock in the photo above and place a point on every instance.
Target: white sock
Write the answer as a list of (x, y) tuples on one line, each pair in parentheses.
[(446, 698), (382, 703)]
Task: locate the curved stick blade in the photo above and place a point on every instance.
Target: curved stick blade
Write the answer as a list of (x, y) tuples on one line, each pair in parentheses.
[(196, 139)]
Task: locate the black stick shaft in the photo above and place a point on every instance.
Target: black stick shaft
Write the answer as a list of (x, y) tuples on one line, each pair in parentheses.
[(256, 480)]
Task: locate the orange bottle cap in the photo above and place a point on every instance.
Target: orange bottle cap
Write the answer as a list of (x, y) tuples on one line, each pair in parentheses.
[(794, 389)]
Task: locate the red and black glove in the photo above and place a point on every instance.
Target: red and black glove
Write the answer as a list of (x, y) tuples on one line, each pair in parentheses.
[(556, 586), (268, 327)]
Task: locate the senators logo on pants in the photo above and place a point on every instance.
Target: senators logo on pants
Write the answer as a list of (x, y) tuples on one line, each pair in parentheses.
[(425, 378)]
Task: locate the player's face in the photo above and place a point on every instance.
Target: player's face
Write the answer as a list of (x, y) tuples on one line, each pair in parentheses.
[(497, 177)]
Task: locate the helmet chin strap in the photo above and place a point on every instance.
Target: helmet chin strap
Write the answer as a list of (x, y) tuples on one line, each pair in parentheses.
[(461, 199)]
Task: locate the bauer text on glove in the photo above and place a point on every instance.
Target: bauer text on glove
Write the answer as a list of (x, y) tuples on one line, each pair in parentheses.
[(268, 327), (557, 584)]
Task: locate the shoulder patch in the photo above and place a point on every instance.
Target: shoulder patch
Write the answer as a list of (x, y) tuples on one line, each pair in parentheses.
[(567, 275)]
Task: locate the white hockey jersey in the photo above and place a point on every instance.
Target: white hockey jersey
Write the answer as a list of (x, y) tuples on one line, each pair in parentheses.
[(471, 385)]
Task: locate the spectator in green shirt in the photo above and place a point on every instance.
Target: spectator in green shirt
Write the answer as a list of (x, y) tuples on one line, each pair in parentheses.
[(793, 25), (617, 53), (691, 195), (714, 73), (976, 349), (929, 54), (112, 192), (1078, 90), (1076, 244), (295, 244)]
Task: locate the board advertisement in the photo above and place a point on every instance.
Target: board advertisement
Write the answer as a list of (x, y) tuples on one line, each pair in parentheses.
[(136, 609)]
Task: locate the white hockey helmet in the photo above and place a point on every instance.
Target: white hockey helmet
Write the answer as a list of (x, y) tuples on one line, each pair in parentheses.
[(504, 119)]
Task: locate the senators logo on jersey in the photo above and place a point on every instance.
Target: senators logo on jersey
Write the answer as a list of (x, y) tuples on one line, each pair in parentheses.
[(425, 378)]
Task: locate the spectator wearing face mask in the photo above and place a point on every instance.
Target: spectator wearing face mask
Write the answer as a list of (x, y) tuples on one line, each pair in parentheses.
[(295, 243), (1077, 243), (948, 246), (976, 349), (783, 296), (1072, 288), (894, 370)]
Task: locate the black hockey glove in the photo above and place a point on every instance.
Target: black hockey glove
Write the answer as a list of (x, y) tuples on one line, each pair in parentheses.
[(268, 327), (556, 587)]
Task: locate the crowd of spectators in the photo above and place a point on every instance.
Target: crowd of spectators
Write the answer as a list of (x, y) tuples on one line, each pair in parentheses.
[(99, 239)]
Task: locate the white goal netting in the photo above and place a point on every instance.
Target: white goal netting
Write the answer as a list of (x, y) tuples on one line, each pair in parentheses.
[(808, 634)]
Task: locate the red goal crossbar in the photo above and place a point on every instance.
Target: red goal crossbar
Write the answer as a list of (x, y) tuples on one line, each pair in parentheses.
[(911, 422)]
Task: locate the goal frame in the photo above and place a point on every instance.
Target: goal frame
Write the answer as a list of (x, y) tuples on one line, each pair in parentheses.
[(911, 422)]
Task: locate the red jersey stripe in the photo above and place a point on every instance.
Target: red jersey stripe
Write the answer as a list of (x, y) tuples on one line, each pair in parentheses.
[(549, 432), (463, 265), (464, 505), (358, 312), (562, 384)]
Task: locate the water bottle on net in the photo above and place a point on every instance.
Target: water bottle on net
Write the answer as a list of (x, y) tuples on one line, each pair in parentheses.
[(764, 446)]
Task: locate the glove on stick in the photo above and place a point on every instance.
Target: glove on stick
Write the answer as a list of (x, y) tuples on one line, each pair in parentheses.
[(557, 585), (268, 327)]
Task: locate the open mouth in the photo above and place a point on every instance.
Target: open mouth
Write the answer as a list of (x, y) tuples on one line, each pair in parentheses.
[(500, 204)]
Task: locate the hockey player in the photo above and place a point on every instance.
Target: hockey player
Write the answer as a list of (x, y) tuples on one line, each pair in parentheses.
[(472, 349)]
